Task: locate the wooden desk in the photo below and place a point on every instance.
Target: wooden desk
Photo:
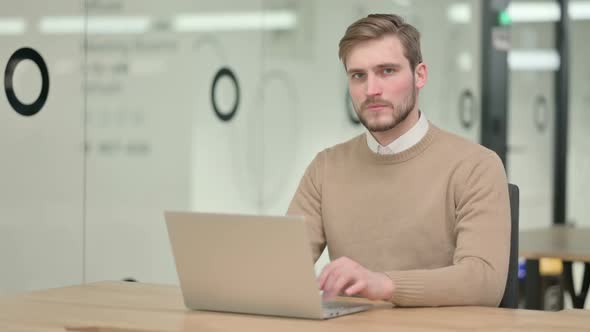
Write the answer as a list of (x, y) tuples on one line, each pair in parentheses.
[(570, 244), (120, 306)]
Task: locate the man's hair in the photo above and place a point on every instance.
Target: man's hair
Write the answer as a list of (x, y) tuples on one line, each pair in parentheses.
[(376, 26)]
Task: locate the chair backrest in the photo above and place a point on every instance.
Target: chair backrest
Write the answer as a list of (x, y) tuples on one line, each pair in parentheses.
[(510, 298)]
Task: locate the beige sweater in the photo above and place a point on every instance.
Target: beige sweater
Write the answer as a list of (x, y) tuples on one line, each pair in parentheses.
[(435, 218)]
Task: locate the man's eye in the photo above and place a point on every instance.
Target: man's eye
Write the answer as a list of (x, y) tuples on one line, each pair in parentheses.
[(388, 70), (357, 76)]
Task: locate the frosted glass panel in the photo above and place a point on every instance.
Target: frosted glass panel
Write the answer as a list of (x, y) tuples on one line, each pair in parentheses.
[(163, 132), (578, 192), (531, 119), (41, 139)]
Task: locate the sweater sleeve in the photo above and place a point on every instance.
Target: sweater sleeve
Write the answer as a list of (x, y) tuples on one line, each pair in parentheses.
[(480, 261), (307, 202)]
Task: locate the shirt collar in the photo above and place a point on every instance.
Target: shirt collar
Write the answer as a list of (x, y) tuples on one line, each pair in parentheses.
[(404, 142)]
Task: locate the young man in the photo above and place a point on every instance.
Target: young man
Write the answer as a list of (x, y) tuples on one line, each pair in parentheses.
[(412, 214)]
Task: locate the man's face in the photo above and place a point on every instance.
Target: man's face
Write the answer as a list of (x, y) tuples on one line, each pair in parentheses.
[(382, 85)]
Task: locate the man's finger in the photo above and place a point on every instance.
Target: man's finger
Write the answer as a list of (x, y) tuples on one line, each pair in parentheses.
[(328, 293), (324, 275), (328, 286), (359, 286), (342, 282), (327, 271)]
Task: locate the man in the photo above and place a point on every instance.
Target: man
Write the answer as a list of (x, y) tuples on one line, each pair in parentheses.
[(412, 214)]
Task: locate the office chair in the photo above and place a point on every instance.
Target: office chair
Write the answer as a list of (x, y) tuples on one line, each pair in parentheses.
[(510, 298)]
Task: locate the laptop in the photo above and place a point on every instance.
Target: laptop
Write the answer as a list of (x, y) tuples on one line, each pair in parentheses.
[(248, 264)]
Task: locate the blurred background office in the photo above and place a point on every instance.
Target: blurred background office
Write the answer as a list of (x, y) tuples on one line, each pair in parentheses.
[(114, 110)]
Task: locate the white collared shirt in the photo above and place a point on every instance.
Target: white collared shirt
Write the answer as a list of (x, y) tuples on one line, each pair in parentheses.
[(404, 142)]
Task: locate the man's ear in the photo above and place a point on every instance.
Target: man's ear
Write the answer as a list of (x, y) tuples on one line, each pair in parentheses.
[(421, 74)]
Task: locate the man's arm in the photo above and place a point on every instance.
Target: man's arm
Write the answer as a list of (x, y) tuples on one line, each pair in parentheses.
[(307, 202), (480, 262)]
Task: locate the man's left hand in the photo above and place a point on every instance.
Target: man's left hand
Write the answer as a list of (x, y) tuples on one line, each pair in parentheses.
[(346, 276)]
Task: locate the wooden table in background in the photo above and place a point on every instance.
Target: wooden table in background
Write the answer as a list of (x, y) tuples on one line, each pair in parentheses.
[(570, 244), (137, 307)]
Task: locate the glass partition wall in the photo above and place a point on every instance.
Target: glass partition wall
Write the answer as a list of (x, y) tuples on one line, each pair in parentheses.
[(219, 107), (42, 144), (578, 162), (532, 62)]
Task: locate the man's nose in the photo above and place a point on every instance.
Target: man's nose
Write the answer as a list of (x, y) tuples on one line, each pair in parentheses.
[(373, 86)]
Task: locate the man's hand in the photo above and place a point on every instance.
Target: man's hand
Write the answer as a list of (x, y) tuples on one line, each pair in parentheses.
[(344, 275)]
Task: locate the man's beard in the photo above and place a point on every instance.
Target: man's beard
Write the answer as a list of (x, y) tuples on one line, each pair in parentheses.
[(399, 113)]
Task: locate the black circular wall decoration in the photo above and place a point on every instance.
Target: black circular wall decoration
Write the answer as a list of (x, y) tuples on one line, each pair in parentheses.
[(541, 113), (349, 110), (21, 54), (466, 109), (222, 114)]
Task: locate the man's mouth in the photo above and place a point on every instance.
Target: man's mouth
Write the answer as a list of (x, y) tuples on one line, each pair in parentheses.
[(375, 106)]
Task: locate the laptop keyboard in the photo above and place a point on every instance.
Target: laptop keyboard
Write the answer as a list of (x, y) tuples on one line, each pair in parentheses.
[(339, 305)]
